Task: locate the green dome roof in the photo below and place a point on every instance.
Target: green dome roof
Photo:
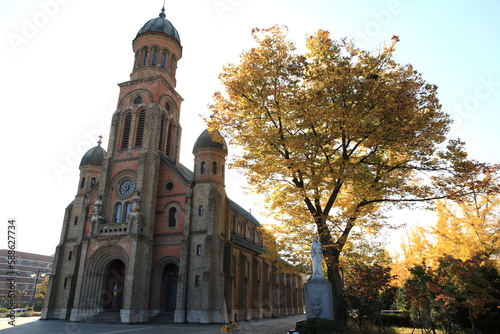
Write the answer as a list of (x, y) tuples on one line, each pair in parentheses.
[(94, 156), (161, 25), (210, 139)]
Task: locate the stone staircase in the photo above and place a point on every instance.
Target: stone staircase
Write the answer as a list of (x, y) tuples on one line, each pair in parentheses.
[(163, 317), (111, 317)]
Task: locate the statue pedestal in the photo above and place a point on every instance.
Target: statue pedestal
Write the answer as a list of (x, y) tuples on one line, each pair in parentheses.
[(318, 295)]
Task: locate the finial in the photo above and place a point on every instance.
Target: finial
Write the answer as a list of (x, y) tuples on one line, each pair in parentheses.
[(99, 142), (162, 14)]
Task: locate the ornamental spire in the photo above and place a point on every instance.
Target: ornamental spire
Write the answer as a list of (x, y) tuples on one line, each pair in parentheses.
[(162, 14), (99, 142)]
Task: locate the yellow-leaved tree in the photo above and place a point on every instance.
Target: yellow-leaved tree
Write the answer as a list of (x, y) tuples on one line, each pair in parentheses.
[(331, 135)]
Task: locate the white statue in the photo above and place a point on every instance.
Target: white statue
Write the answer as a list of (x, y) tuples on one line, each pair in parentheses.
[(316, 254)]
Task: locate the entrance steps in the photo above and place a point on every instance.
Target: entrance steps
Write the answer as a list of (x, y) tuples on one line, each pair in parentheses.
[(163, 317)]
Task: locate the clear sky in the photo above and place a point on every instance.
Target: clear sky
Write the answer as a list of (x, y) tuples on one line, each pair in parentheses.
[(61, 61)]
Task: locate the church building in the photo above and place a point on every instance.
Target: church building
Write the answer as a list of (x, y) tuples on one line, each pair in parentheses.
[(147, 239)]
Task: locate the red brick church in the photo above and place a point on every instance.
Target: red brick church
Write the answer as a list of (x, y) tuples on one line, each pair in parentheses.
[(147, 238)]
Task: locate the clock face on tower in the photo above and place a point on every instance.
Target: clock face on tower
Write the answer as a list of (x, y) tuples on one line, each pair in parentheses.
[(126, 188)]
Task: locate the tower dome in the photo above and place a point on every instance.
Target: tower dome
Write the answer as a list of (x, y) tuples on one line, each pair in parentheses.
[(160, 25), (94, 156), (211, 138)]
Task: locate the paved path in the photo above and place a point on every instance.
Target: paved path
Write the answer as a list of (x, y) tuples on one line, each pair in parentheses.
[(35, 326)]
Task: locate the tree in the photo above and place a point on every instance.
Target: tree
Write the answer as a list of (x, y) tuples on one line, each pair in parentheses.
[(465, 227), (332, 135), (459, 295), (465, 290), (364, 285), (41, 289)]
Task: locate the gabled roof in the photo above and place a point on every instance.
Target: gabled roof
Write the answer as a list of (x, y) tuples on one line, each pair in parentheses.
[(244, 212)]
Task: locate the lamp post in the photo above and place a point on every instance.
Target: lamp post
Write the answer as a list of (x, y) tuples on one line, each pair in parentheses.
[(36, 283)]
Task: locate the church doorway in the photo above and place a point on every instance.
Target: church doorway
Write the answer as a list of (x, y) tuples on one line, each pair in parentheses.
[(168, 299), (112, 294)]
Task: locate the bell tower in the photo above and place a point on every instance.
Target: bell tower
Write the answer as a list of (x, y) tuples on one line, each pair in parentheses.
[(112, 222)]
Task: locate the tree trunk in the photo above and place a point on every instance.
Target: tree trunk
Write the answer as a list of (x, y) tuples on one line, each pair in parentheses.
[(335, 278)]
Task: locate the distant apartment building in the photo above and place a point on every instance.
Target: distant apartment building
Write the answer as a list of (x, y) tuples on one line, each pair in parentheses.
[(27, 271)]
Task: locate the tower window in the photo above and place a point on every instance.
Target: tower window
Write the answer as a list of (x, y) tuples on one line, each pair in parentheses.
[(82, 182), (173, 64), (75, 221), (145, 58), (137, 100), (140, 128), (214, 167), (92, 183), (198, 250), (168, 147), (172, 217), (155, 56), (118, 212), (126, 130), (162, 129), (200, 210), (70, 255), (163, 59), (128, 207), (203, 167), (197, 280)]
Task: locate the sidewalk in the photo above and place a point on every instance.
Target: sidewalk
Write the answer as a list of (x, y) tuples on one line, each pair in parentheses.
[(35, 326)]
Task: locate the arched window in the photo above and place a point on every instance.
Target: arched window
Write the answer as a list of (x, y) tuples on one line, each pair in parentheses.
[(163, 59), (128, 207), (140, 128), (247, 268), (145, 58), (82, 182), (118, 212), (172, 217), (203, 167), (233, 271), (214, 167), (92, 183), (155, 56), (126, 130)]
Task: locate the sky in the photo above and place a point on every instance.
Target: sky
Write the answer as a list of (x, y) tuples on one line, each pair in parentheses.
[(61, 61)]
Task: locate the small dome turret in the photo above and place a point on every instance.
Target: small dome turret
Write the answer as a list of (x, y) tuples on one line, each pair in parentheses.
[(212, 139), (94, 156)]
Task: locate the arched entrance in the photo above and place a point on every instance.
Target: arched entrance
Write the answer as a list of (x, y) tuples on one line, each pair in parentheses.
[(168, 299), (112, 292)]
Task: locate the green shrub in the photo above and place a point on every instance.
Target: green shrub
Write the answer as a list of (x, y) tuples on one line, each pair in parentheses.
[(4, 310), (320, 326)]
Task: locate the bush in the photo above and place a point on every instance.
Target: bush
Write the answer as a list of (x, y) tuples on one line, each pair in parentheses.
[(4, 310), (320, 326), (401, 319)]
